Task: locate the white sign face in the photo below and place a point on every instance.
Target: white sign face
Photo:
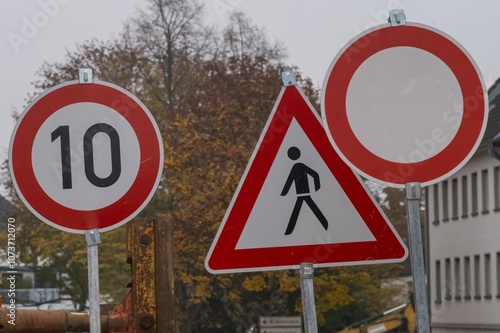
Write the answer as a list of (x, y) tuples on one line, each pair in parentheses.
[(86, 156), (414, 97), (404, 104), (280, 321), (78, 118), (344, 223), (281, 330)]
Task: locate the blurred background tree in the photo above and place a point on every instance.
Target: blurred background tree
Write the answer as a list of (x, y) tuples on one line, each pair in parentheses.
[(211, 92)]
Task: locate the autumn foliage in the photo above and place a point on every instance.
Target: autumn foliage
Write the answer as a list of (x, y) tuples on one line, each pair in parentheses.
[(211, 92)]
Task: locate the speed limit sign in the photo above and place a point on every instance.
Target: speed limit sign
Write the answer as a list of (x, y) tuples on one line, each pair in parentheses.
[(86, 156)]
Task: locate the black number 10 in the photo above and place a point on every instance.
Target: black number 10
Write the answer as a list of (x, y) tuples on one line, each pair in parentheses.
[(88, 152)]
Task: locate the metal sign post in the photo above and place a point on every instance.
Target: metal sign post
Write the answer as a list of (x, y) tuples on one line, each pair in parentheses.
[(392, 152), (249, 238), (93, 238), (307, 292), (54, 154), (417, 256)]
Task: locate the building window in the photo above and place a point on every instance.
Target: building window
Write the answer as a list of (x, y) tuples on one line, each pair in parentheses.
[(458, 282), (447, 279), (467, 278), (435, 194), (475, 202), (445, 200), (465, 198), (6, 283), (477, 277), (487, 276), (498, 275), (496, 188), (454, 199), (438, 282), (485, 192)]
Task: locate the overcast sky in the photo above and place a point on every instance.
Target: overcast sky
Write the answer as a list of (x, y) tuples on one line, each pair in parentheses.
[(34, 31)]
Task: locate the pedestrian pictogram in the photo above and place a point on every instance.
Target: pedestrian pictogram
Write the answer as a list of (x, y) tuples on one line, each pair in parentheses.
[(299, 202), (299, 176)]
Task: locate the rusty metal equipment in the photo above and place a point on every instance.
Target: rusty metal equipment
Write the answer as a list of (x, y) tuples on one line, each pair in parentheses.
[(149, 305)]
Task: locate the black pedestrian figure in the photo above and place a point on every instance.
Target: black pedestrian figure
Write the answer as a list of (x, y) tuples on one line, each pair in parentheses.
[(299, 174)]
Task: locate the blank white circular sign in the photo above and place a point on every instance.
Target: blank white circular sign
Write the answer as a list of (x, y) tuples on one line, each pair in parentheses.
[(422, 96)]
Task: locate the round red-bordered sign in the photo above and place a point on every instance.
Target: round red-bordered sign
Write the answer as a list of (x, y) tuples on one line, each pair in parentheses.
[(415, 146), (112, 151)]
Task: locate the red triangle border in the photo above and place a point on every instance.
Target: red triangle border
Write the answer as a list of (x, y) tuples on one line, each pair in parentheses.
[(223, 257)]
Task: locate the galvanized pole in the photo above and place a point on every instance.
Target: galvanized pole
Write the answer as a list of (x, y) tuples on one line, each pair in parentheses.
[(85, 76), (308, 303), (306, 269), (397, 18), (93, 238), (417, 256)]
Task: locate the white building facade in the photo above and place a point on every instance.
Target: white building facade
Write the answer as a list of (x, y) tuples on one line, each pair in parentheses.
[(463, 229)]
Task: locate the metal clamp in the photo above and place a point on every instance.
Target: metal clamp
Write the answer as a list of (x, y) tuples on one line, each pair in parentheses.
[(93, 237), (85, 76), (412, 191), (288, 76), (397, 17), (306, 270)]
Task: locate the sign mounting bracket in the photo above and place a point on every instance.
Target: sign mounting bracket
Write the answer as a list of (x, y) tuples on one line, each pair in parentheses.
[(288, 76), (85, 76), (397, 17)]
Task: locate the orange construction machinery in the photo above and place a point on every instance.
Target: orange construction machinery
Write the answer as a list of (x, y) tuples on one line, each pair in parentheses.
[(400, 319)]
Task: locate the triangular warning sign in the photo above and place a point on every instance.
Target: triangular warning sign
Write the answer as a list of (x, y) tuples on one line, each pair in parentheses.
[(299, 202)]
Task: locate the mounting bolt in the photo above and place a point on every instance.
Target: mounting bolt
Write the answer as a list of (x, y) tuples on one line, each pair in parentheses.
[(145, 240), (147, 321)]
